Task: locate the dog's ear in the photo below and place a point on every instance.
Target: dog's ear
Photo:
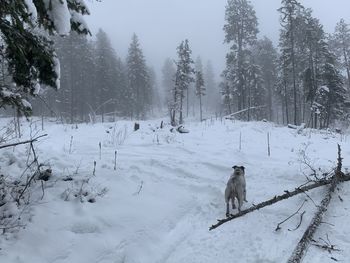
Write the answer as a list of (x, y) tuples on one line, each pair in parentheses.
[(242, 167), (234, 167)]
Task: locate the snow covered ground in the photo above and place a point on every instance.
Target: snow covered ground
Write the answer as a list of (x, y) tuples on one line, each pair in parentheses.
[(166, 192)]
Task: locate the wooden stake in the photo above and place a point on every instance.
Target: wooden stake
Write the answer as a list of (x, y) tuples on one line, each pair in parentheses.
[(115, 160), (240, 141), (100, 146), (268, 144)]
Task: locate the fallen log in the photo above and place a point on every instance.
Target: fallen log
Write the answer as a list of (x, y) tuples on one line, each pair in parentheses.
[(307, 237), (286, 195)]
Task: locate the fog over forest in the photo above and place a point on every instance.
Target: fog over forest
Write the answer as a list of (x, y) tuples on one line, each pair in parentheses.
[(161, 24)]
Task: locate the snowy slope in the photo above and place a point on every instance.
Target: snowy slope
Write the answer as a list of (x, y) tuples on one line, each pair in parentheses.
[(183, 177)]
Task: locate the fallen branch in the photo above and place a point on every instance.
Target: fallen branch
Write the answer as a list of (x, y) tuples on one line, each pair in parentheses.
[(326, 246), (24, 142), (276, 199), (307, 237), (300, 221), (289, 217), (230, 116)]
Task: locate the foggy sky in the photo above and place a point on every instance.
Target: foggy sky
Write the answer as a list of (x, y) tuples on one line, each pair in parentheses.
[(162, 24)]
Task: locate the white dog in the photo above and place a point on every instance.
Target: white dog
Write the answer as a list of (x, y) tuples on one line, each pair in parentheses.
[(236, 188)]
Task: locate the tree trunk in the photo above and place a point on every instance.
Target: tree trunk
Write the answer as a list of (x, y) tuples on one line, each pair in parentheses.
[(269, 100), (188, 103), (293, 71), (200, 107), (303, 244), (347, 67), (181, 109), (286, 102)]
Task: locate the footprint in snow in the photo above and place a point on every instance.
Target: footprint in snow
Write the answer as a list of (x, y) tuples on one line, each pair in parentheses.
[(84, 228)]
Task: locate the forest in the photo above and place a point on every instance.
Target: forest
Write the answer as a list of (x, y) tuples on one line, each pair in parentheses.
[(302, 79)]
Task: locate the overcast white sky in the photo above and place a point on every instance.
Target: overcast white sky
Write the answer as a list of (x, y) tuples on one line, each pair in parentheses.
[(162, 24)]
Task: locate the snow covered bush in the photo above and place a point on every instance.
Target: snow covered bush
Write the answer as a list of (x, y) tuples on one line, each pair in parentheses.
[(10, 207), (83, 191), (116, 136)]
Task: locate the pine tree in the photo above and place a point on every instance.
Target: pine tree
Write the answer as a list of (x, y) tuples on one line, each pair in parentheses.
[(200, 91), (183, 78), (229, 85), (168, 78), (317, 50), (290, 16), (340, 42), (107, 75), (266, 58), (154, 90), (226, 94), (241, 30), (74, 53), (212, 100), (29, 54), (256, 92), (333, 106), (138, 79)]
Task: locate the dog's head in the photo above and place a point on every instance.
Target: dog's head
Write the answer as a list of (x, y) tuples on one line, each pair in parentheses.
[(238, 170)]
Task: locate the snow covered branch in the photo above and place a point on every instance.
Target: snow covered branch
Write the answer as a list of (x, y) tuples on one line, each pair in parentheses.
[(23, 142)]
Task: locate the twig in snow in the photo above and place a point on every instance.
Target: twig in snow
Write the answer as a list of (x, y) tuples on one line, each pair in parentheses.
[(139, 191), (327, 245), (289, 217), (341, 199), (300, 221)]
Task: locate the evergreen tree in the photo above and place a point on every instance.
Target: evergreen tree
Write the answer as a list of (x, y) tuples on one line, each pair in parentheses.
[(74, 54), (230, 82), (256, 92), (183, 78), (200, 91), (316, 48), (107, 73), (333, 106), (168, 78), (340, 42), (29, 54), (212, 100), (155, 95), (138, 79), (290, 16), (241, 30), (266, 58), (226, 94)]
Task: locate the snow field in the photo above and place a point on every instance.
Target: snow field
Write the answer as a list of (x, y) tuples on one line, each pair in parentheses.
[(183, 177)]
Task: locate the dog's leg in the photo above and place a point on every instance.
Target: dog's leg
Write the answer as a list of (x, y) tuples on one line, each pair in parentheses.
[(245, 195), (227, 209), (228, 197), (240, 203), (233, 203), (240, 198)]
